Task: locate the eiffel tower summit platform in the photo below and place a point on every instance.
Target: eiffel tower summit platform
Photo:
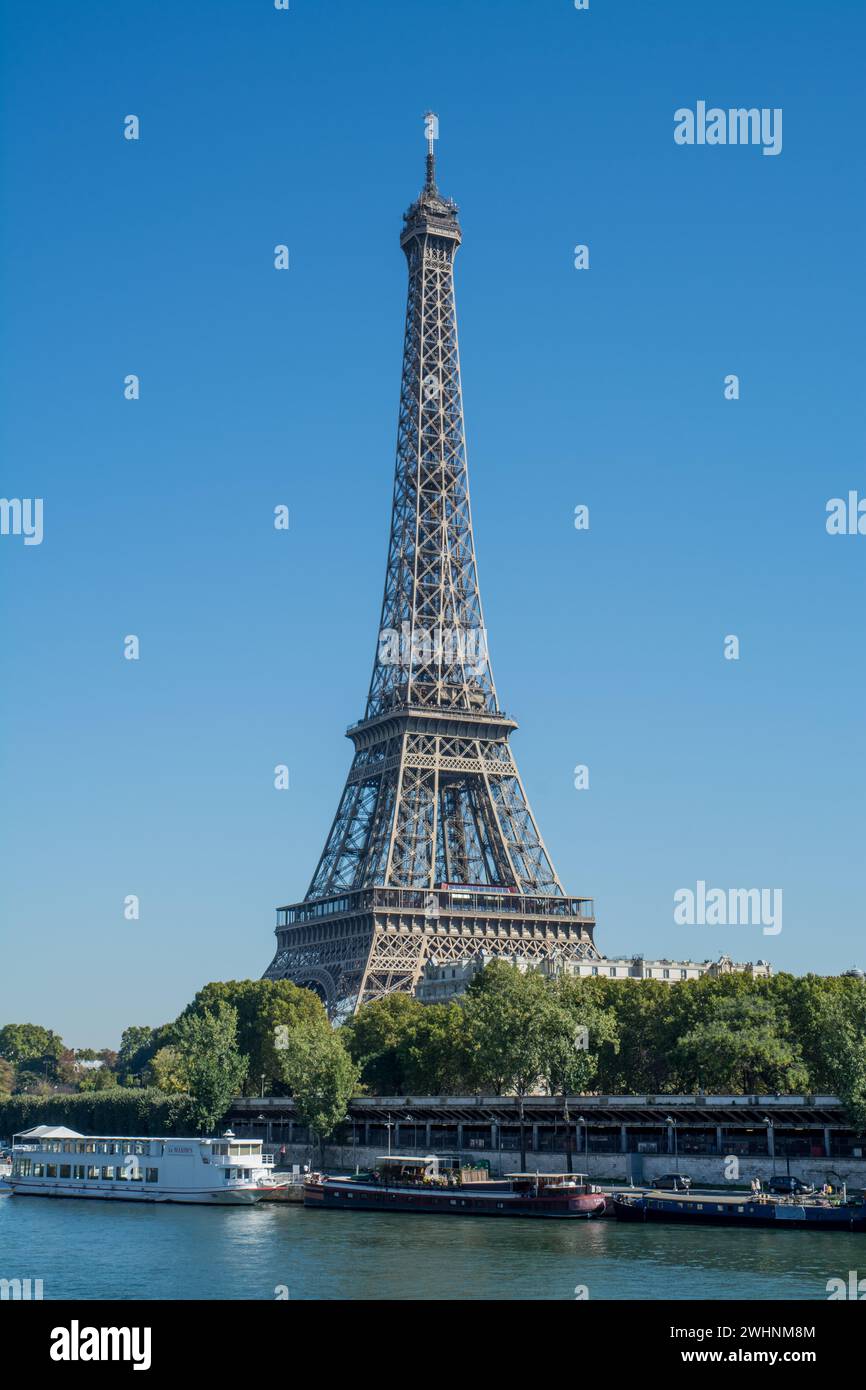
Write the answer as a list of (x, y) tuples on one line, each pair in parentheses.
[(434, 852)]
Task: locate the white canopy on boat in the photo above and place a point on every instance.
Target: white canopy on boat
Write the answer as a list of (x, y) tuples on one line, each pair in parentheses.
[(49, 1132)]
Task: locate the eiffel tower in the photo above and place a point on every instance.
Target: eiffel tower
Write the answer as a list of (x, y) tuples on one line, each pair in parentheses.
[(434, 852)]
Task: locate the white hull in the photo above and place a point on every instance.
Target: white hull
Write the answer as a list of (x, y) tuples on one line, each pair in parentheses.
[(216, 1197)]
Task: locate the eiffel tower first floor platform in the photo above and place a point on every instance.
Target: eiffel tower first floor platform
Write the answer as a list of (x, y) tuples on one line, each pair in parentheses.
[(368, 942)]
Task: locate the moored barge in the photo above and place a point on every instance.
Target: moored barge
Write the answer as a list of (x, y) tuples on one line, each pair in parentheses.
[(710, 1209), (418, 1185)]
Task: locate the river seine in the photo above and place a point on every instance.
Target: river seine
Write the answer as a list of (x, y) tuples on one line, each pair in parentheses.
[(115, 1250)]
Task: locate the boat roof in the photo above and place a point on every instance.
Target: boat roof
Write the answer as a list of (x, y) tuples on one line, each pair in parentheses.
[(547, 1176), (407, 1158), (61, 1132), (49, 1132)]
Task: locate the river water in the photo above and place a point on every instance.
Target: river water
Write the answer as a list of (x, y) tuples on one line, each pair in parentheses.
[(118, 1250)]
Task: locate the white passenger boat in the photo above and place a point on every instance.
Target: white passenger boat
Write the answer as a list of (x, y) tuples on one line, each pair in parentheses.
[(52, 1161)]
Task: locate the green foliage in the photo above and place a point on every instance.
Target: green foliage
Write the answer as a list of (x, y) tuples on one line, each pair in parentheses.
[(264, 1010), (509, 1025), (97, 1079), (28, 1043), (376, 1038), (212, 1062), (138, 1044), (740, 1040), (576, 1027), (118, 1111), (168, 1072), (320, 1073), (512, 1030), (433, 1054)]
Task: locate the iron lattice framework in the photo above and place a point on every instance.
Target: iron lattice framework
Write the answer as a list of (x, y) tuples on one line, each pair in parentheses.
[(434, 850)]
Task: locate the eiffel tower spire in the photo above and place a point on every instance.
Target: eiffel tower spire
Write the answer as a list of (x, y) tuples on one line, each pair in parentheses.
[(434, 848)]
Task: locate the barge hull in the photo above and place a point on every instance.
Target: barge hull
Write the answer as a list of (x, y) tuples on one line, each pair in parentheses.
[(328, 1198), (766, 1216)]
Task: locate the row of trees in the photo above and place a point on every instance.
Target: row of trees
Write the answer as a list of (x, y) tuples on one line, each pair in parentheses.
[(234, 1037), (513, 1032)]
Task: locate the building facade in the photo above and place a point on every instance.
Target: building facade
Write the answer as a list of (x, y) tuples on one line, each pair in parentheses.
[(442, 981)]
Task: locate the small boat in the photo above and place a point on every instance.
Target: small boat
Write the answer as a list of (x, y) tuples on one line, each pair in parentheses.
[(52, 1161), (419, 1185), (712, 1209)]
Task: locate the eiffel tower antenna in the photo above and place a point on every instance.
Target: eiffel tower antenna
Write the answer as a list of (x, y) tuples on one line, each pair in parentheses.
[(431, 129), (434, 851)]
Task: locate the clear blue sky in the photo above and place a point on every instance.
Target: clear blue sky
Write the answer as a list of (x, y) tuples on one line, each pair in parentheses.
[(602, 387)]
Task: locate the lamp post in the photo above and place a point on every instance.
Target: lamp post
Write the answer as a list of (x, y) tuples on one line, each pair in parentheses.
[(669, 1120), (388, 1127), (567, 1122), (771, 1141), (581, 1120)]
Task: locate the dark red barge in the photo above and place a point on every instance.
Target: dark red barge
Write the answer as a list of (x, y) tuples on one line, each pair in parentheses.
[(417, 1185)]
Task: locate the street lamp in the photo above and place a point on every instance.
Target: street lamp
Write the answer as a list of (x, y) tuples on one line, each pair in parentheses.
[(669, 1120), (581, 1120), (771, 1141), (388, 1127)]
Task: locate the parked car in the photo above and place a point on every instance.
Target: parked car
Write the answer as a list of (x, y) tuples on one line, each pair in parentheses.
[(784, 1185), (673, 1182)]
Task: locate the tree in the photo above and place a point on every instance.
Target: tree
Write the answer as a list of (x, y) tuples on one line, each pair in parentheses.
[(7, 1077), (167, 1072), (97, 1079), (267, 1010), (432, 1056), (32, 1083), (836, 1032), (376, 1038), (739, 1046), (575, 1028), (321, 1075), (508, 1012), (644, 1011), (29, 1043), (214, 1067), (137, 1045)]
